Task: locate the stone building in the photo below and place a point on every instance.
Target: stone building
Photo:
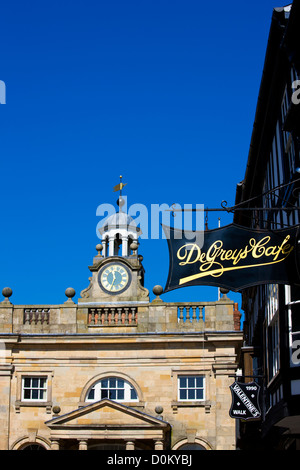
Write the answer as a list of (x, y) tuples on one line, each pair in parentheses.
[(116, 370)]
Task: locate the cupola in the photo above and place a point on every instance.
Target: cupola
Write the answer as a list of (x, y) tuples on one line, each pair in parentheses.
[(119, 233)]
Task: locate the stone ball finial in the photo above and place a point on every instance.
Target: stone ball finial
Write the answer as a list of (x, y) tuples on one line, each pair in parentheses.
[(157, 290), (70, 292), (159, 409), (56, 409), (7, 292), (223, 290), (99, 248), (134, 246)]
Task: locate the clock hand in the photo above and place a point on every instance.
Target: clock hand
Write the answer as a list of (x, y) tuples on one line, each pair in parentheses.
[(114, 278)]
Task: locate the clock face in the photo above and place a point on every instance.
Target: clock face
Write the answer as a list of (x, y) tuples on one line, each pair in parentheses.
[(114, 278)]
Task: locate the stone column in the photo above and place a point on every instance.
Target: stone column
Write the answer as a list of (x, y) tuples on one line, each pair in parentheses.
[(111, 246), (82, 444), (54, 444), (124, 245), (104, 247), (130, 445), (158, 444)]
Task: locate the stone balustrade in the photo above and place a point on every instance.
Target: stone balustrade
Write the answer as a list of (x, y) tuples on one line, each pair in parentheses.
[(191, 312), (112, 316), (143, 317), (36, 316)]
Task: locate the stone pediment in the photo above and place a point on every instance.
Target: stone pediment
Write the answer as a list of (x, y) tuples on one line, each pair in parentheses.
[(106, 414)]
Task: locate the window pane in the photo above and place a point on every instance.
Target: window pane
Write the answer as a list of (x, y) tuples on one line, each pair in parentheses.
[(104, 394), (182, 394), (120, 383), (34, 394), (91, 395), (133, 394), (113, 383), (27, 382), (191, 394), (42, 383), (27, 394), (199, 394), (120, 394), (104, 383), (112, 394), (191, 382), (182, 382), (35, 383), (199, 381)]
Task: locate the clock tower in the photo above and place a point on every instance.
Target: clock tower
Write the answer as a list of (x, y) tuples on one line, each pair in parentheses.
[(117, 270)]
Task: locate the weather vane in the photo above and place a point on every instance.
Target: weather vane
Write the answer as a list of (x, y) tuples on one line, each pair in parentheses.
[(120, 186)]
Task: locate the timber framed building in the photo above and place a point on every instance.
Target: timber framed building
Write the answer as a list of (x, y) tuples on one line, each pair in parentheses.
[(272, 312)]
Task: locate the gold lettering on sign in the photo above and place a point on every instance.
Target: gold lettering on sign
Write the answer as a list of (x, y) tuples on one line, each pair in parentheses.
[(211, 262)]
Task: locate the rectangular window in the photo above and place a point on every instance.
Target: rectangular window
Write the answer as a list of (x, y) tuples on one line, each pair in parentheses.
[(271, 301), (191, 388), (34, 388)]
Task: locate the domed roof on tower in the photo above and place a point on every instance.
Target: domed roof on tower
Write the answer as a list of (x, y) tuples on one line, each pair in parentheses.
[(120, 219)]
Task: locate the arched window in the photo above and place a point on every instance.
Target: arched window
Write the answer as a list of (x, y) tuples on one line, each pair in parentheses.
[(33, 447), (114, 388), (191, 447), (198, 444), (117, 245)]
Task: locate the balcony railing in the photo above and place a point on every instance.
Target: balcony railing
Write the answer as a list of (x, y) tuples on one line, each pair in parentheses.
[(191, 313), (112, 316), (36, 316), (153, 316)]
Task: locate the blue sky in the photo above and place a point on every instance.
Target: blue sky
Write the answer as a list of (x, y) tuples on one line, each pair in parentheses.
[(161, 92)]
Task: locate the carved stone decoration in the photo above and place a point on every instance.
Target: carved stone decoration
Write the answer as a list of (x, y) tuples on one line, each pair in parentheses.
[(85, 292)]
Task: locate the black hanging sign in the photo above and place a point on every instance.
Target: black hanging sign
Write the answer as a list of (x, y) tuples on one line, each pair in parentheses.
[(233, 257), (245, 401)]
